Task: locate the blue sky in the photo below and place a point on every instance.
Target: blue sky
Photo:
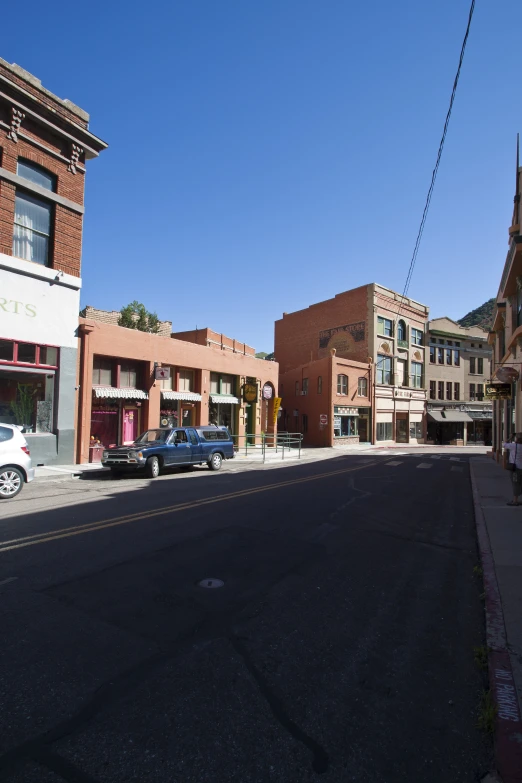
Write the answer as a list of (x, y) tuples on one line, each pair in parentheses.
[(265, 156)]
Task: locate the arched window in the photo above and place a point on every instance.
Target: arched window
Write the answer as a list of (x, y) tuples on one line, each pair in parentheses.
[(401, 330), (342, 384)]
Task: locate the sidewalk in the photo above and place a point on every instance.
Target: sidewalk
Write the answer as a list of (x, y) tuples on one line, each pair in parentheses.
[(499, 530)]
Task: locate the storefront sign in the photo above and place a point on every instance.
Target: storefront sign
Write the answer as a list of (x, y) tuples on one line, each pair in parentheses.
[(250, 392), (342, 410), (267, 392), (38, 311), (323, 419), (402, 393), (507, 374), (162, 373), (498, 391), (277, 405)]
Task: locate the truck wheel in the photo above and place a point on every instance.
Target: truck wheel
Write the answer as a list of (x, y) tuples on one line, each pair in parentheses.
[(215, 462), (152, 468)]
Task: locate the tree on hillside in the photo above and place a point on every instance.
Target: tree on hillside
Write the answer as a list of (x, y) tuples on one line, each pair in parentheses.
[(261, 355), (136, 316), (480, 316)]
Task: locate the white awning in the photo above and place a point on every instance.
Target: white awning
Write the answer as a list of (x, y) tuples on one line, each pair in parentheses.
[(224, 399), (179, 395), (105, 392)]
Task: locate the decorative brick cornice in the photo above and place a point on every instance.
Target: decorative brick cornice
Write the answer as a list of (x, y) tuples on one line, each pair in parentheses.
[(76, 151), (16, 120)]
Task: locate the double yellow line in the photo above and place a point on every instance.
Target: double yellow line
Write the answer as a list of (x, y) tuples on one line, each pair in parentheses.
[(78, 530)]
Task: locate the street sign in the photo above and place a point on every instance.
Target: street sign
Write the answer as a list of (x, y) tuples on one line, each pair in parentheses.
[(507, 374), (498, 391), (162, 373), (323, 418)]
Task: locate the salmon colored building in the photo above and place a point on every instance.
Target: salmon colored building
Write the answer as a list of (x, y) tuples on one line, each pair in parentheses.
[(206, 378), (369, 328)]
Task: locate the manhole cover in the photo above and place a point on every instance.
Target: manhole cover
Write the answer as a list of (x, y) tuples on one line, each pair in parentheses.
[(211, 583)]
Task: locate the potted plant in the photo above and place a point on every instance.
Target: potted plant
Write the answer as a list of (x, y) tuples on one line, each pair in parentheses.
[(23, 406)]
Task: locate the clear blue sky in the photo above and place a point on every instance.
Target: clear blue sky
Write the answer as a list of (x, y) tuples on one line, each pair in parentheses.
[(265, 156)]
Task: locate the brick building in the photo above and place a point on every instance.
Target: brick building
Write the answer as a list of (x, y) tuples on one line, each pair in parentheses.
[(370, 325), (119, 395), (457, 372), (44, 145)]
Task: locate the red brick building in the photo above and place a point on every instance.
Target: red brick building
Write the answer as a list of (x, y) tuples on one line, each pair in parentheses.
[(379, 335), (45, 143), (119, 395)]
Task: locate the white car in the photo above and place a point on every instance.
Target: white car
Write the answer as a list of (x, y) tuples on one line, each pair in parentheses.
[(15, 461)]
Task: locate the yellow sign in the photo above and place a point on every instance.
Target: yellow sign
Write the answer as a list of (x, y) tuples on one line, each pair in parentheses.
[(277, 405)]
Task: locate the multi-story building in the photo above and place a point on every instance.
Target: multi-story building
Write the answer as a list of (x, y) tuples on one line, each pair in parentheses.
[(382, 331), (208, 378), (44, 145), (458, 369), (506, 336)]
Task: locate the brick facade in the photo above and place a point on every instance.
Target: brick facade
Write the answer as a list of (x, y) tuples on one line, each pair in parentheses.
[(52, 133), (112, 317), (214, 340)]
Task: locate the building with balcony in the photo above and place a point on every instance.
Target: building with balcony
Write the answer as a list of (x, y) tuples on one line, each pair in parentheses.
[(457, 372), (506, 334), (380, 335), (45, 144)]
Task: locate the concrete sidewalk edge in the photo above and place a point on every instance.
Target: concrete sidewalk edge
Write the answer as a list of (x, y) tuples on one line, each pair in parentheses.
[(508, 722)]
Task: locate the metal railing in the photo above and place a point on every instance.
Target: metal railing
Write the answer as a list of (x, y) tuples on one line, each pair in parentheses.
[(269, 443)]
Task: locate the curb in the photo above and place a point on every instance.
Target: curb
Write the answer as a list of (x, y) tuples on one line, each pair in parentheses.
[(508, 722)]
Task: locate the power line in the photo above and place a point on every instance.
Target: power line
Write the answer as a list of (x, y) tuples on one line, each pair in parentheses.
[(437, 164)]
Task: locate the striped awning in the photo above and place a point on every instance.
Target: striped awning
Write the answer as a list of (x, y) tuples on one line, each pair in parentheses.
[(181, 395), (110, 392), (224, 399)]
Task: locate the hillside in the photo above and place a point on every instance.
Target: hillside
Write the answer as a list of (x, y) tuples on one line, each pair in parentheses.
[(480, 316)]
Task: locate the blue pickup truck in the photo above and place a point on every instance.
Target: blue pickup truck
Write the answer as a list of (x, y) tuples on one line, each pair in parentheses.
[(172, 447)]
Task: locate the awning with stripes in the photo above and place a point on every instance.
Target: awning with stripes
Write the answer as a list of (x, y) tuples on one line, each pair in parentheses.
[(181, 395), (105, 392)]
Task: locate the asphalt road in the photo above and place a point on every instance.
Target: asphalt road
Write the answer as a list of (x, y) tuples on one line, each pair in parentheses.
[(340, 647)]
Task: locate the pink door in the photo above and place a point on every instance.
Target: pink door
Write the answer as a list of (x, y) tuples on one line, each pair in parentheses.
[(130, 425)]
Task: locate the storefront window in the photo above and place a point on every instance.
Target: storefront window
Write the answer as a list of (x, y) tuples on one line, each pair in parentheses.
[(104, 424), (222, 414), (416, 429), (27, 399), (27, 353), (49, 356), (345, 426), (384, 430), (6, 350)]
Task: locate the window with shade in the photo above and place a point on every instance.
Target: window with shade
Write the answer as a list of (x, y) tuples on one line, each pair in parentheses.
[(362, 387), (342, 384), (102, 371), (186, 381), (33, 216), (128, 375)]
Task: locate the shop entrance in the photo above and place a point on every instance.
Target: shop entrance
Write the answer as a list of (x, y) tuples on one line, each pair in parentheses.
[(130, 424), (401, 428), (250, 412)]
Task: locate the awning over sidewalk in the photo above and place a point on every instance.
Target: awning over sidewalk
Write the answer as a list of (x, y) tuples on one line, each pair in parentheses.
[(181, 395), (449, 416), (224, 399), (109, 392)]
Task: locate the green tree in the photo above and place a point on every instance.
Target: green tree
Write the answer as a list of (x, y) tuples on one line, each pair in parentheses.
[(261, 355), (136, 316)]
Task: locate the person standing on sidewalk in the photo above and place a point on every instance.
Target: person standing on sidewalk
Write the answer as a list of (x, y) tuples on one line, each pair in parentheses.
[(515, 459)]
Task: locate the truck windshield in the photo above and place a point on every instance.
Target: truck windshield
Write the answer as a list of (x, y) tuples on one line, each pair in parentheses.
[(153, 436)]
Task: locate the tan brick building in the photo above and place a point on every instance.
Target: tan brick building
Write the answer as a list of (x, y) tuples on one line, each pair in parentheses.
[(381, 335), (457, 372), (45, 143)]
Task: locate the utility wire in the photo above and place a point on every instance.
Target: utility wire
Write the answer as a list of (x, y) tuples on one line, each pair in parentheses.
[(437, 164)]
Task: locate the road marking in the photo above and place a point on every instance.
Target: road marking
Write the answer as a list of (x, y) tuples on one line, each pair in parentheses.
[(9, 579), (394, 463), (425, 465), (67, 532), (457, 469)]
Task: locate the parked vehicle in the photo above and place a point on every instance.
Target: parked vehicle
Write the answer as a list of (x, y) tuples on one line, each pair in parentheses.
[(15, 461), (172, 447)]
